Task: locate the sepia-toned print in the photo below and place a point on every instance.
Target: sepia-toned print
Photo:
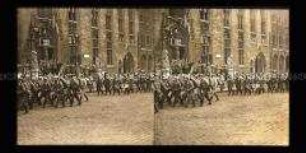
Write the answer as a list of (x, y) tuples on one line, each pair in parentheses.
[(162, 76)]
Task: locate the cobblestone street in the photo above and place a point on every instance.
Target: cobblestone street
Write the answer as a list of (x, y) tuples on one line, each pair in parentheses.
[(238, 120), (105, 120)]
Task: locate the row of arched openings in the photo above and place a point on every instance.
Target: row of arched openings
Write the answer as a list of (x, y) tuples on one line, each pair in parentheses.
[(278, 63)]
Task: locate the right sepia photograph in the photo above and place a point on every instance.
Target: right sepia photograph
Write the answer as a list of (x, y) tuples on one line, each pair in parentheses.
[(225, 78)]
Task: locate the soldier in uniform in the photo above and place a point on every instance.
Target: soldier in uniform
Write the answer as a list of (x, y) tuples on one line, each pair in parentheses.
[(99, 85), (190, 86), (157, 94), (248, 86), (74, 92), (282, 83), (116, 85), (230, 84), (165, 91), (90, 84), (261, 82), (107, 84), (60, 94), (238, 82), (22, 96), (45, 88), (176, 90), (287, 82), (82, 84), (221, 82), (204, 89), (213, 85)]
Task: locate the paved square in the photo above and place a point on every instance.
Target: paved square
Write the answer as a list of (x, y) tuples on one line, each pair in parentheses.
[(239, 120), (129, 119), (118, 120)]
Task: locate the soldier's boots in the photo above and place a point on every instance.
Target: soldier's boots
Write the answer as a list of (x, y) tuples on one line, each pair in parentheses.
[(25, 108), (85, 95), (155, 108), (217, 97)]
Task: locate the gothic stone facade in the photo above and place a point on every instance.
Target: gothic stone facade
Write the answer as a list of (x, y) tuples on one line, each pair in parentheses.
[(122, 40), (257, 40)]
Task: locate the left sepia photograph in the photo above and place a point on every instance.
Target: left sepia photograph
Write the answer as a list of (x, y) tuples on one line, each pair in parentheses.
[(80, 77)]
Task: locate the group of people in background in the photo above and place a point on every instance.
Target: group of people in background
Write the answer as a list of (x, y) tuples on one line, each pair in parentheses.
[(61, 90)]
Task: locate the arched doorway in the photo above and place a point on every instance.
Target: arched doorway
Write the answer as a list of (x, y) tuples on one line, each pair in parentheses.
[(120, 67), (260, 63), (142, 62), (281, 64), (287, 64), (274, 62), (252, 66), (128, 63), (150, 64)]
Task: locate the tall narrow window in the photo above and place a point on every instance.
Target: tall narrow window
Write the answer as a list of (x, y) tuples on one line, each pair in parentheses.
[(226, 18), (205, 34), (241, 47), (253, 24), (263, 22), (281, 28), (72, 35), (131, 15), (94, 19), (274, 31), (108, 19), (281, 36), (191, 22), (205, 28), (109, 52), (95, 43), (226, 35), (72, 14), (204, 14), (120, 24), (263, 26), (240, 19), (206, 51), (147, 40), (241, 56), (95, 35), (252, 18), (109, 48), (227, 45)]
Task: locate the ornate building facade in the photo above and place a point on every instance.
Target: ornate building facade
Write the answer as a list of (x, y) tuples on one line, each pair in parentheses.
[(255, 40), (123, 40)]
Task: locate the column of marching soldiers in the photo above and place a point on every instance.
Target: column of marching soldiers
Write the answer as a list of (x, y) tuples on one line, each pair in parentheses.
[(170, 90)]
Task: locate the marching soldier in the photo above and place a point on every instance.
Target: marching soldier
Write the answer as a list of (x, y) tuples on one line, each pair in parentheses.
[(261, 88), (189, 91), (157, 95), (230, 84), (45, 92), (176, 90), (82, 83), (238, 83), (212, 83), (23, 96)]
